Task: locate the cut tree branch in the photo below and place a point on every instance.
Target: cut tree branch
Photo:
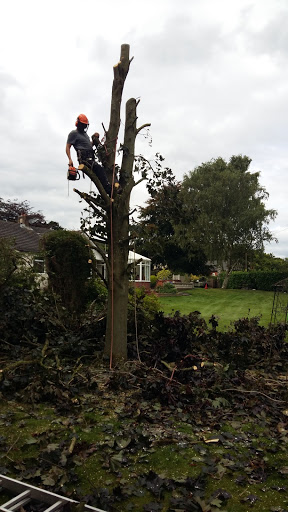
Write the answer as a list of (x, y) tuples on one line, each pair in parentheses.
[(100, 275), (139, 181), (141, 127), (88, 198), (99, 240), (101, 252), (95, 180)]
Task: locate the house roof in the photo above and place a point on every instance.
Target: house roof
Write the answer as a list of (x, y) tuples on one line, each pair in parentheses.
[(25, 239), (132, 256)]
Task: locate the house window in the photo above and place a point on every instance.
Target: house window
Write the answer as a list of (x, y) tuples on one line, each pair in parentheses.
[(142, 271), (101, 267), (38, 265)]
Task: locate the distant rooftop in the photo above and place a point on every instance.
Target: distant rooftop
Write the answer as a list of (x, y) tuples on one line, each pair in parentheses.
[(25, 239)]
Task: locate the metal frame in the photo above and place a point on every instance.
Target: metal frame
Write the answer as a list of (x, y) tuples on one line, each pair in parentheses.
[(25, 493), (280, 303)]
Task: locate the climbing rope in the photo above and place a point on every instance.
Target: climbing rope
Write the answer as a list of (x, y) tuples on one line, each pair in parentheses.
[(112, 242), (135, 308), (112, 259), (90, 214)]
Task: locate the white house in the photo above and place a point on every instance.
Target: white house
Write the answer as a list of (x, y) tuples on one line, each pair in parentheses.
[(140, 267)]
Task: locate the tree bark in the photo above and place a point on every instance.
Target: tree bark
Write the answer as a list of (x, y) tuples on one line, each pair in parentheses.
[(120, 71), (227, 274), (118, 219), (226, 279), (116, 211)]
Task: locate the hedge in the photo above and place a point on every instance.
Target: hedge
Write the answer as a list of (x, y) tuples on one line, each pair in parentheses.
[(258, 280)]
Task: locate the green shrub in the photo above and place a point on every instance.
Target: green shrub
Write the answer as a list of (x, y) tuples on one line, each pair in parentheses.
[(148, 303), (259, 280), (15, 268), (186, 279), (164, 275), (186, 340), (8, 260), (166, 288), (151, 305), (153, 281), (68, 262), (96, 291), (141, 320), (30, 317)]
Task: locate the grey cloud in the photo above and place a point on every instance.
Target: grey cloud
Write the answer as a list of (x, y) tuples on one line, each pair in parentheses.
[(206, 92), (272, 39), (8, 80), (102, 50), (181, 42), (280, 249)]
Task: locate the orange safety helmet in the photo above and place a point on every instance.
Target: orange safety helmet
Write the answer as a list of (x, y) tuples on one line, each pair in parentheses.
[(82, 119)]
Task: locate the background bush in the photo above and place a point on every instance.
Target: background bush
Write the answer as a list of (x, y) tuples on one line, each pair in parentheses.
[(96, 291), (164, 275), (153, 281), (166, 288), (68, 265), (258, 280)]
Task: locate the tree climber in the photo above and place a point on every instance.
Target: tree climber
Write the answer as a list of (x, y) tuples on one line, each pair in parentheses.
[(84, 148)]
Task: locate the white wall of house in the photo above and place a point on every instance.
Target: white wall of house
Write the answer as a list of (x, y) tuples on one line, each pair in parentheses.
[(37, 265)]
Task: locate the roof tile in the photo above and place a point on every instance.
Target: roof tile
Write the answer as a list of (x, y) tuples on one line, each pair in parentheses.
[(26, 240)]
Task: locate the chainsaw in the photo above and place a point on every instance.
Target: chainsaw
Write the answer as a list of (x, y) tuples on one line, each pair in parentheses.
[(73, 173)]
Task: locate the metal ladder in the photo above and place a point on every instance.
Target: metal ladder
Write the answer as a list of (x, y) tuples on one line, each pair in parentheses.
[(25, 493)]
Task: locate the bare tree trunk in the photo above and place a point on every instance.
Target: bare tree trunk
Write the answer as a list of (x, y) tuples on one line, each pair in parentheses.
[(120, 71), (226, 279), (116, 330), (116, 212), (227, 274)]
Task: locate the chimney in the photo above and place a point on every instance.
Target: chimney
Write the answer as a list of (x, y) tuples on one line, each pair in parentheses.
[(23, 221)]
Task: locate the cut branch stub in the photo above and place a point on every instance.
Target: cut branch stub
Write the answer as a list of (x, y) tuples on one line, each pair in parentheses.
[(120, 72), (86, 170), (126, 173), (122, 67)]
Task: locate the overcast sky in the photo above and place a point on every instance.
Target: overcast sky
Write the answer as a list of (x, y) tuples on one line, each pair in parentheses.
[(212, 76)]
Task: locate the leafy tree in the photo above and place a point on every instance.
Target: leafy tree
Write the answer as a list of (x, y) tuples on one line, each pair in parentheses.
[(156, 234), (267, 262), (225, 211), (53, 225), (11, 210)]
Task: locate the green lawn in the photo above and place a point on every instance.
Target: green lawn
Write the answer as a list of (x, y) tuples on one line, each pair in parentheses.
[(227, 305)]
